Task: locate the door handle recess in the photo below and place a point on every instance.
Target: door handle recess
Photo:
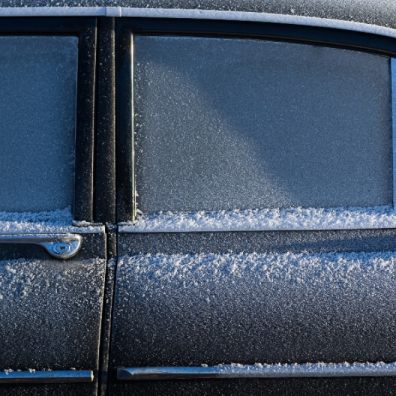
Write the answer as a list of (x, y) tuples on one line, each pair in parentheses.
[(60, 246)]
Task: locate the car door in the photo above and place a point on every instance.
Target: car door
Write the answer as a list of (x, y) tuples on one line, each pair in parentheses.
[(255, 204), (52, 256)]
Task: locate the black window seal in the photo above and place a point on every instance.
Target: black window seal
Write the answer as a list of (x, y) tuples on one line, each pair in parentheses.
[(105, 175)]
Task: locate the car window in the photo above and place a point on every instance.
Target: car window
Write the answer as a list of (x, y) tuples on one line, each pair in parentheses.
[(222, 124), (38, 78)]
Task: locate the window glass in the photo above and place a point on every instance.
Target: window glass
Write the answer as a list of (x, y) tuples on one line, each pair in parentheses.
[(38, 77), (242, 123)]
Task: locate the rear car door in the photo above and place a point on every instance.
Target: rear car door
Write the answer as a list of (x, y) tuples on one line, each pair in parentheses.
[(255, 200), (52, 258)]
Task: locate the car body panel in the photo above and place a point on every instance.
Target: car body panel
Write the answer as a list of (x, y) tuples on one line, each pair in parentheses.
[(198, 298)]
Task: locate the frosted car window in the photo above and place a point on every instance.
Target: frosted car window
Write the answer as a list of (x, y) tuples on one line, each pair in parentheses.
[(38, 77), (240, 123)]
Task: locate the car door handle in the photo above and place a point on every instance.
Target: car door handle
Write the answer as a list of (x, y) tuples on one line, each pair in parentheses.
[(60, 246)]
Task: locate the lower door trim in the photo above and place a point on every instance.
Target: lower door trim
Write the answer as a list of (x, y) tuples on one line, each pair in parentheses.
[(45, 376), (230, 371)]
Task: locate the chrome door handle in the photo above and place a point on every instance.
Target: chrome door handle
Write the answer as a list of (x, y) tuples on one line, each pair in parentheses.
[(60, 246)]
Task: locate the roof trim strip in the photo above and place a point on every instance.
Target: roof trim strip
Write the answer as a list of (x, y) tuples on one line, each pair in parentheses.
[(195, 14)]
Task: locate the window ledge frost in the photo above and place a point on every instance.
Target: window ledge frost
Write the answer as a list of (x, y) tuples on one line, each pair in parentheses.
[(265, 220), (56, 221)]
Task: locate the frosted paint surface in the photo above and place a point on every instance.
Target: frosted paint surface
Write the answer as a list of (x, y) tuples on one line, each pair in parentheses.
[(247, 308), (38, 77), (230, 123), (50, 313)]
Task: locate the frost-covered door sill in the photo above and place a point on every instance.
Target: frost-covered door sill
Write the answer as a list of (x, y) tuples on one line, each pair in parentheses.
[(58, 221), (292, 219)]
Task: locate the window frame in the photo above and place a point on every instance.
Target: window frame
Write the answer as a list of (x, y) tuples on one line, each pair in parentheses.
[(127, 27), (85, 29)]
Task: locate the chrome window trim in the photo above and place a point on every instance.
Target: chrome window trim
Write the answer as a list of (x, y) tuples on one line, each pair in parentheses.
[(246, 16)]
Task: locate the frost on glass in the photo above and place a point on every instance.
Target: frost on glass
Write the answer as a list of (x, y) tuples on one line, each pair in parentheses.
[(38, 77), (233, 123)]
